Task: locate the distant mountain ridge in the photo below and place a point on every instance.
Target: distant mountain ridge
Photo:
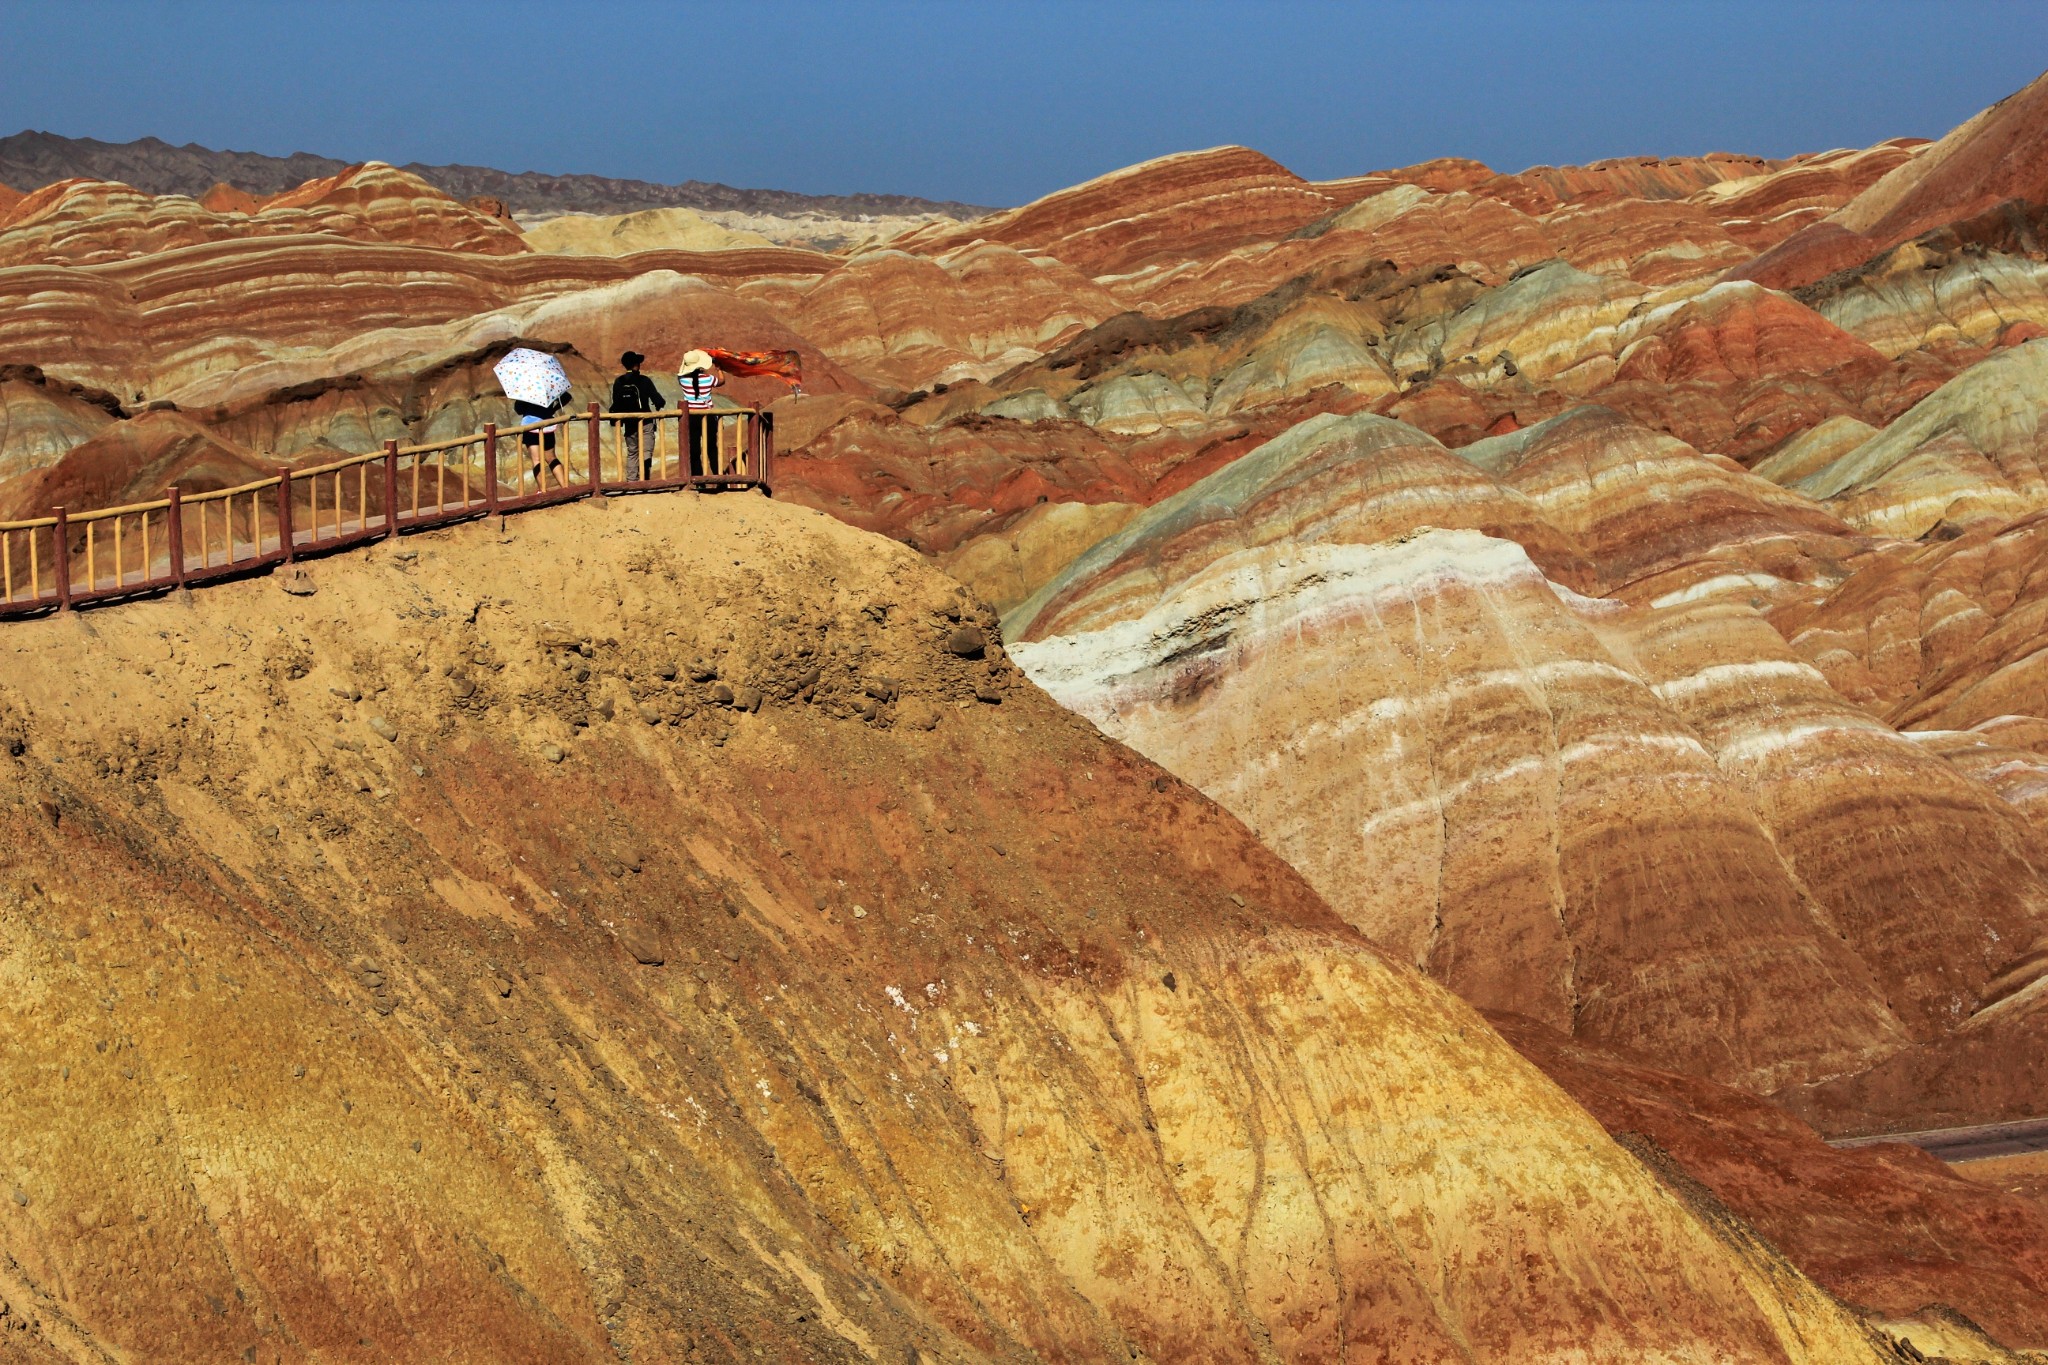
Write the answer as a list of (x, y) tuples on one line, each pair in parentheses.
[(32, 159)]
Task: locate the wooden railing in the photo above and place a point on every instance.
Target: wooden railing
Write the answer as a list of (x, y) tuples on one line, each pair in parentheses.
[(66, 560)]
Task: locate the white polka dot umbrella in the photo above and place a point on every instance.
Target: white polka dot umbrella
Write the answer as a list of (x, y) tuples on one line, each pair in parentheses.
[(531, 377)]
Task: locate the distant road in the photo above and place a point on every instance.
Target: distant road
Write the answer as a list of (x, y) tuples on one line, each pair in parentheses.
[(1967, 1144)]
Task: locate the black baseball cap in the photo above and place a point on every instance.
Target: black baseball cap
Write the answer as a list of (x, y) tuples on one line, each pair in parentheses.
[(631, 358)]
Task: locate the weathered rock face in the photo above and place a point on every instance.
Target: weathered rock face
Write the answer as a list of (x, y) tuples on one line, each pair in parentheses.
[(1937, 637), (1735, 369), (1157, 212), (675, 229), (2000, 154), (1887, 1227), (87, 222), (1763, 209), (466, 967), (131, 461), (1943, 292), (225, 198), (40, 419), (1652, 825), (1969, 453), (1650, 178), (1462, 300), (688, 229), (1656, 520), (938, 485), (147, 335), (906, 320), (1006, 567)]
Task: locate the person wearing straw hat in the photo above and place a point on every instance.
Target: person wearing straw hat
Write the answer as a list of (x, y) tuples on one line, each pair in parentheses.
[(697, 376), (635, 392)]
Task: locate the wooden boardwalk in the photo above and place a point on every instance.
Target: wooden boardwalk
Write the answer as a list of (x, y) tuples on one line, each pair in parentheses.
[(65, 560)]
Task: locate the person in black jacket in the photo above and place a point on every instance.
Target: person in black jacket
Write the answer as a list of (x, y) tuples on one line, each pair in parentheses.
[(635, 392)]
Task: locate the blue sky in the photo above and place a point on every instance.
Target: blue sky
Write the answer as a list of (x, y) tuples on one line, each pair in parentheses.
[(996, 102)]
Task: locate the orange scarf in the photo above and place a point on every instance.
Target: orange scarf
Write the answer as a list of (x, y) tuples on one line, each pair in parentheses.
[(787, 366)]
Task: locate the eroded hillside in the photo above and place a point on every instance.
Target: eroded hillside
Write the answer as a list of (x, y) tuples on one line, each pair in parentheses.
[(646, 929)]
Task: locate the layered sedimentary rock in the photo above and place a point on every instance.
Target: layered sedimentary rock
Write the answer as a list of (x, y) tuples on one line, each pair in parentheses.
[(726, 229), (1969, 453), (2001, 154), (648, 230), (1164, 210), (1005, 567), (294, 388), (1657, 521), (1735, 369), (1740, 369), (1658, 243), (1406, 514), (911, 320), (225, 198), (430, 383), (1650, 178), (1763, 209), (378, 1005), (1965, 289), (137, 327), (40, 419), (1935, 637), (129, 462), (937, 484), (85, 222), (1886, 1227), (1371, 291), (1636, 823)]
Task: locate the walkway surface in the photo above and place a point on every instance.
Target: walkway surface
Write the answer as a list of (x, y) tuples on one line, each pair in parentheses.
[(1967, 1144)]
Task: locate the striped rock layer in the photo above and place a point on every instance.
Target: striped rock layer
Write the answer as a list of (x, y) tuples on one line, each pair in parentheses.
[(1642, 818)]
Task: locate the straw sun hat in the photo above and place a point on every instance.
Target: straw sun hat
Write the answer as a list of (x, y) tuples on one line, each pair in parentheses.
[(694, 361)]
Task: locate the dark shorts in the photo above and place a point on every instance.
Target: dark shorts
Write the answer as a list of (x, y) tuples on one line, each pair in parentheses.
[(529, 413)]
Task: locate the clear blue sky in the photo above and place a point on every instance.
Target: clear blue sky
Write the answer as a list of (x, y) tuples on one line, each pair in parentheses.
[(994, 102)]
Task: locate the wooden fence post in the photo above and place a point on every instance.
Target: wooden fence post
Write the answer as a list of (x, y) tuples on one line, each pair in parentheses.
[(61, 534), (391, 488), (766, 436), (491, 465), (174, 531), (287, 535), (596, 454)]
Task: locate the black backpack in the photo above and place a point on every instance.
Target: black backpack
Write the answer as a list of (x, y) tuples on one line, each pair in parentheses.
[(626, 395)]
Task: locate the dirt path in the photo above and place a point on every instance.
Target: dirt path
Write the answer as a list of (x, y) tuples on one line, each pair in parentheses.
[(1968, 1144)]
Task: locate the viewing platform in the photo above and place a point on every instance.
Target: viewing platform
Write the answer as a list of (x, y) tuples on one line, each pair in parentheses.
[(181, 540)]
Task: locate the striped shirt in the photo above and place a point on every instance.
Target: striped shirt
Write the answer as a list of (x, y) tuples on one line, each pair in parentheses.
[(697, 389)]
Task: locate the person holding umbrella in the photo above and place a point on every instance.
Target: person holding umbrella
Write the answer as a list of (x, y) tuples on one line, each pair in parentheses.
[(531, 414), (539, 388)]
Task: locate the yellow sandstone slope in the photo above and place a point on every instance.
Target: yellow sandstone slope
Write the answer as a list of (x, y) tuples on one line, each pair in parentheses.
[(645, 931), (674, 229)]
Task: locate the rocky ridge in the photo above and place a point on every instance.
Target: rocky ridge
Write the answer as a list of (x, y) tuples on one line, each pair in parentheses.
[(32, 158)]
